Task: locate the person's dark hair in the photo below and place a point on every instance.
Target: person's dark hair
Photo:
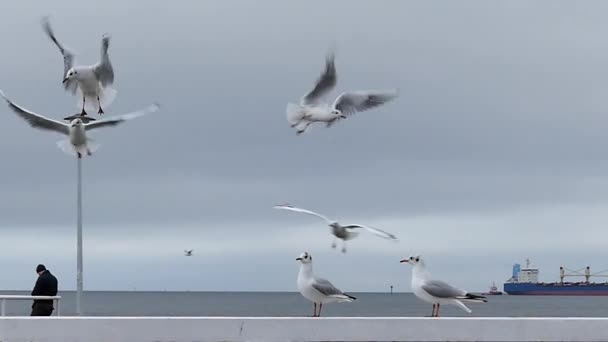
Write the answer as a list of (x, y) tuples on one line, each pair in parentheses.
[(40, 268)]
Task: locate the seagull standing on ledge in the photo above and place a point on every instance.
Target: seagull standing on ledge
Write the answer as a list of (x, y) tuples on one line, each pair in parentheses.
[(313, 109), (317, 290), (343, 233), (438, 292), (77, 142), (93, 80)]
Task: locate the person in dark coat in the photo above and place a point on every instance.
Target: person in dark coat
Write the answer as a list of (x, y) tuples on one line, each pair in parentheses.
[(46, 285)]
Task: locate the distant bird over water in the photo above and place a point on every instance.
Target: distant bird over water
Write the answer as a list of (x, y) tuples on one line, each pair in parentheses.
[(315, 289), (188, 252), (343, 233), (78, 143), (311, 108), (93, 81)]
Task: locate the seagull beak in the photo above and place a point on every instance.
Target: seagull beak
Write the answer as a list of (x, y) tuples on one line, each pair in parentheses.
[(298, 259), (405, 260), (65, 80)]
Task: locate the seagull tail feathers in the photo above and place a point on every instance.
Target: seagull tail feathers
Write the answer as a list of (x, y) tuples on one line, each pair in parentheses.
[(344, 297), (462, 306), (473, 298), (294, 113)]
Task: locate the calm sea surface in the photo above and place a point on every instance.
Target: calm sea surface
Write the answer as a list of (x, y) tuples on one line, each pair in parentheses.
[(293, 304)]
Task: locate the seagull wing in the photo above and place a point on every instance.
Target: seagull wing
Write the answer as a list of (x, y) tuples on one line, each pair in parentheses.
[(441, 289), (299, 210), (103, 70), (324, 84), (349, 103), (113, 121), (68, 56), (36, 120), (380, 233), (325, 287)]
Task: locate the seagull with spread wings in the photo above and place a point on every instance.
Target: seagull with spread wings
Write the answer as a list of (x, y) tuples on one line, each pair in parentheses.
[(342, 232), (312, 108), (77, 143), (93, 81)]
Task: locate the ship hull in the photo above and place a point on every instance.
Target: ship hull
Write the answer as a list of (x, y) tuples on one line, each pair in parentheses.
[(556, 289)]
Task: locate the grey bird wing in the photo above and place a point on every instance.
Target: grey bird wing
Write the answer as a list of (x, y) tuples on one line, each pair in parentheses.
[(440, 289), (103, 70), (299, 210), (358, 101), (113, 121), (325, 287), (36, 120), (324, 84), (376, 231), (68, 56)]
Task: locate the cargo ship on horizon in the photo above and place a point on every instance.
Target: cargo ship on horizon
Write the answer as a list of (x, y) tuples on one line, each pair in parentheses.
[(524, 281)]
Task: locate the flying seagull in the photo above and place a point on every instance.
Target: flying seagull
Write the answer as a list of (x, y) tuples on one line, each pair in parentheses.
[(343, 233), (188, 252), (438, 292), (317, 290), (93, 81), (77, 143), (312, 108)]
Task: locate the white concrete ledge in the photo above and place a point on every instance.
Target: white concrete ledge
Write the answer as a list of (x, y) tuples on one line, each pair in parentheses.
[(199, 329)]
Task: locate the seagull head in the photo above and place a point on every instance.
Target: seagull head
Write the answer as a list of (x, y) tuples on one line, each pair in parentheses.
[(413, 260), (76, 123), (70, 75), (305, 258)]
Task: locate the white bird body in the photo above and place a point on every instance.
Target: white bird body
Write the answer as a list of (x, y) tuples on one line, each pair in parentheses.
[(77, 135), (77, 143), (419, 275), (317, 290), (320, 113), (304, 283), (312, 109), (437, 292), (87, 81)]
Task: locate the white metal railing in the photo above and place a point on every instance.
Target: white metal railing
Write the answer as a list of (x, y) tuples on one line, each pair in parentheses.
[(5, 298)]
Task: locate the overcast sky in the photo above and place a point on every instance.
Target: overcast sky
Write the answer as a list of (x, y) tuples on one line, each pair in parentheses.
[(495, 150)]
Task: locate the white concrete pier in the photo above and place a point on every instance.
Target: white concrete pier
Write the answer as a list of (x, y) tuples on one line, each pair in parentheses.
[(199, 329)]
